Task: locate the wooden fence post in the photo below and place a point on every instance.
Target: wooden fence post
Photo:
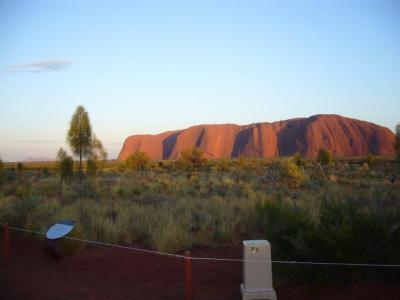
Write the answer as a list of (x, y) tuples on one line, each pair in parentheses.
[(188, 276), (6, 246)]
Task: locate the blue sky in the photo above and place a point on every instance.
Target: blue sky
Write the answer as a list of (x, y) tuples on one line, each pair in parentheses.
[(151, 66)]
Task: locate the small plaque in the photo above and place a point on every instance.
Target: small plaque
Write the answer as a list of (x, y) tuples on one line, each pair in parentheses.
[(60, 229)]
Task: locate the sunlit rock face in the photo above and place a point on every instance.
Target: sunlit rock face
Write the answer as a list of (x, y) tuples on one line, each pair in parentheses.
[(340, 135)]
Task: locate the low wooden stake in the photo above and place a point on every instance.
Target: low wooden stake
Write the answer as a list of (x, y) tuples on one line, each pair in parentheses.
[(188, 276)]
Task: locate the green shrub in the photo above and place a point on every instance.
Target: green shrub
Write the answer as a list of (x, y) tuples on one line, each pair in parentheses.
[(169, 236), (20, 211), (46, 213), (20, 169), (128, 191), (242, 162), (291, 172), (91, 168), (287, 229), (46, 172), (47, 187), (67, 247), (66, 168), (10, 175), (84, 189), (370, 159), (324, 157), (137, 161), (297, 159), (136, 222), (343, 231), (193, 157), (223, 164), (363, 169)]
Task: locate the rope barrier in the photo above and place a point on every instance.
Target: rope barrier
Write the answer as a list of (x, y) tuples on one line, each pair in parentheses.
[(212, 258), (102, 243)]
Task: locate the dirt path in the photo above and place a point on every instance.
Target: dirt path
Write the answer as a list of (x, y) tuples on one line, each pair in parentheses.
[(108, 273)]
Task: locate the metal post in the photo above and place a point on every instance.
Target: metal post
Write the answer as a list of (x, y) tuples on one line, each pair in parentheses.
[(188, 276), (6, 246)]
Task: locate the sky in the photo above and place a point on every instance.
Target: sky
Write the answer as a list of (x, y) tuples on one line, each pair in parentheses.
[(143, 67)]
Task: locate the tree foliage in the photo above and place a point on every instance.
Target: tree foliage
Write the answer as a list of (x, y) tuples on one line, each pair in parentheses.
[(66, 168), (291, 173), (65, 165), (137, 161), (97, 157), (324, 157), (79, 135), (194, 156), (1, 172), (61, 154), (20, 168), (298, 159), (97, 150), (92, 167)]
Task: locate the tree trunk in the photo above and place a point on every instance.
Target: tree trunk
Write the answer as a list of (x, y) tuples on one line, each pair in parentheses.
[(80, 155), (80, 166)]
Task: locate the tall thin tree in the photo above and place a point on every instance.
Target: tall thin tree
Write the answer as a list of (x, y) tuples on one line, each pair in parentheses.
[(96, 160), (397, 143), (1, 172), (79, 136)]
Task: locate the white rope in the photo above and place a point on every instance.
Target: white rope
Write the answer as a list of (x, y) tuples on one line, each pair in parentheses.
[(293, 262), (126, 247), (214, 258), (102, 243)]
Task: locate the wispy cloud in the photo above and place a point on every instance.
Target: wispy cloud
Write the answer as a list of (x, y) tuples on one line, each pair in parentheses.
[(50, 65)]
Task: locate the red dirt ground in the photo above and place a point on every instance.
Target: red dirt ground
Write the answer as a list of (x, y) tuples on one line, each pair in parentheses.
[(110, 273)]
